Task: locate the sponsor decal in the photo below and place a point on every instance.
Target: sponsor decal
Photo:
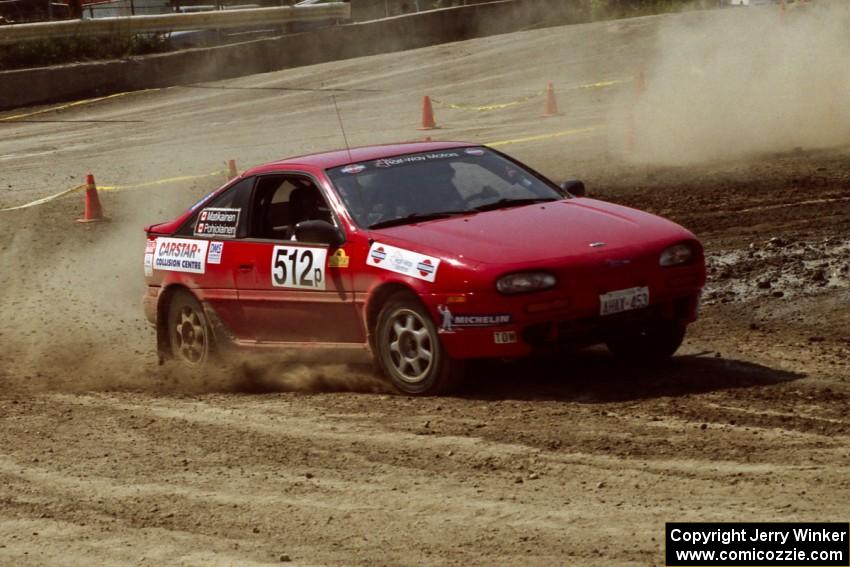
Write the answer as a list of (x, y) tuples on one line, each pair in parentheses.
[(299, 267), (220, 223), (338, 259), (202, 200), (482, 320), (418, 158), (180, 255), (474, 151), (425, 267), (149, 264), (504, 337), (378, 254), (150, 246), (450, 321), (445, 319), (354, 168), (403, 261), (216, 250)]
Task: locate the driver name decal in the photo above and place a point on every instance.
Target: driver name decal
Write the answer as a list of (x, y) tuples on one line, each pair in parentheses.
[(180, 255), (403, 261), (217, 222)]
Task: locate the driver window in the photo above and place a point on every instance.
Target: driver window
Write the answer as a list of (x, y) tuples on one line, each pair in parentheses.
[(479, 185), (281, 202)]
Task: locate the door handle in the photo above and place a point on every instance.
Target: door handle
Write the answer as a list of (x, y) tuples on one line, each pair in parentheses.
[(246, 267)]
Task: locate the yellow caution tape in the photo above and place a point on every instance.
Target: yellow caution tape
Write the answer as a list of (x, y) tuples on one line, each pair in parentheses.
[(487, 107), (603, 84), (560, 134), (61, 107), (113, 188), (159, 181), (71, 105), (517, 102), (45, 199), (181, 178)]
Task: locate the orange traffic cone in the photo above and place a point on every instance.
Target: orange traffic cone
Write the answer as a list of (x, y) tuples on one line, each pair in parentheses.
[(428, 122), (551, 108), (232, 173), (93, 212), (631, 133), (640, 83)]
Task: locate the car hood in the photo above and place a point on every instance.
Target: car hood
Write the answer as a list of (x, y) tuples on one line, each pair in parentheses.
[(535, 233)]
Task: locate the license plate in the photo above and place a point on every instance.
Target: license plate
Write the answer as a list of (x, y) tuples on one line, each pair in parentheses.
[(623, 300), (504, 337)]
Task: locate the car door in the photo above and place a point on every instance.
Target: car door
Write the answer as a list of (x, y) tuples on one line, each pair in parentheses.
[(290, 291)]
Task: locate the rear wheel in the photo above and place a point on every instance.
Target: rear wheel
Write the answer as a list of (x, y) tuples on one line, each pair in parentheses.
[(188, 330), (409, 350), (653, 344)]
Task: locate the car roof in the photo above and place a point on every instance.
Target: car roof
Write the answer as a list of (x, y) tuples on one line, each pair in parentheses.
[(336, 158)]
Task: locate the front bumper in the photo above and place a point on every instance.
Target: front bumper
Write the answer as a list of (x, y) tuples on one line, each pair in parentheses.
[(508, 330)]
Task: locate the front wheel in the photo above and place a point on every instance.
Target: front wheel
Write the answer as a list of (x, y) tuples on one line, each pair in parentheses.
[(653, 344), (188, 331), (409, 351)]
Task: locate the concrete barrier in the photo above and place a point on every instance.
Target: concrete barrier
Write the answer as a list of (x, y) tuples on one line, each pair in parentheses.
[(70, 82), (216, 19)]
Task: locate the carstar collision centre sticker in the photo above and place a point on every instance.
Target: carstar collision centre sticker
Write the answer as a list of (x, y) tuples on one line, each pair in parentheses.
[(403, 261), (181, 255)]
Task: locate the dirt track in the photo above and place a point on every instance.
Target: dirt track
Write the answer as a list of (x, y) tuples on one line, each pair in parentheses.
[(106, 458)]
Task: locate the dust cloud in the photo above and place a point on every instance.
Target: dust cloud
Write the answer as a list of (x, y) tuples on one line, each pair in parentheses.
[(71, 316), (742, 82)]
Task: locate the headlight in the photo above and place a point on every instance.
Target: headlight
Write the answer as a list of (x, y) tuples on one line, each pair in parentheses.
[(524, 282), (676, 255)]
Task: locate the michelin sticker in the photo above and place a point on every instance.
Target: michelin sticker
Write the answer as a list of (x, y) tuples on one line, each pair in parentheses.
[(450, 321), (219, 223), (216, 249), (180, 255), (403, 261)]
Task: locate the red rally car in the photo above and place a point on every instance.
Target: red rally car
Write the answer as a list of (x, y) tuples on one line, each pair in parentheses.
[(421, 256)]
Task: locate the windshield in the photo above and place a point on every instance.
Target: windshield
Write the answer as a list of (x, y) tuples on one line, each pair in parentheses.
[(429, 185)]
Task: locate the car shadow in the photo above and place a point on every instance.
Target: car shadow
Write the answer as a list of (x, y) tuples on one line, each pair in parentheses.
[(597, 377)]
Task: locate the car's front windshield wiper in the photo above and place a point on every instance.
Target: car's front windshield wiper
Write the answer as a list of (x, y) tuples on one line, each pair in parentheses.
[(507, 202), (419, 217)]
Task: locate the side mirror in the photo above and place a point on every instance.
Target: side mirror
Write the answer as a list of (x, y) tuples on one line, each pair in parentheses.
[(320, 232), (574, 187)]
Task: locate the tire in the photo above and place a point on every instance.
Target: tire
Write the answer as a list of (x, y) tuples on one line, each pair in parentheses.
[(654, 344), (409, 350), (188, 331)]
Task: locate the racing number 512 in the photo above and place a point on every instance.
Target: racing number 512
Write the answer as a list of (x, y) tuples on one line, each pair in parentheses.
[(302, 268)]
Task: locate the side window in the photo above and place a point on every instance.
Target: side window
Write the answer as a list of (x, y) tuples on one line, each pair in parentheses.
[(223, 217), (281, 202)]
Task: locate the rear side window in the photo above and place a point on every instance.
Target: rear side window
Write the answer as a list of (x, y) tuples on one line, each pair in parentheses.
[(281, 202), (223, 217)]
